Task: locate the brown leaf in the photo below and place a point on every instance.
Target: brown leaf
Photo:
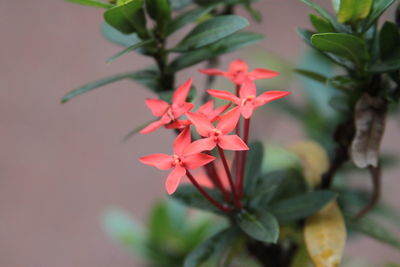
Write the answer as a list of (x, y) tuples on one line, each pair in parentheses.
[(369, 122)]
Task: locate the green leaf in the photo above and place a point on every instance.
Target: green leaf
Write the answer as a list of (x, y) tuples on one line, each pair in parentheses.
[(186, 18), (373, 229), (321, 24), (324, 13), (136, 130), (211, 31), (229, 44), (254, 13), (211, 248), (91, 3), (302, 206), (149, 78), (389, 65), (336, 5), (180, 4), (312, 75), (93, 85), (378, 7), (190, 196), (129, 49), (128, 18), (118, 37), (292, 184), (344, 45), (389, 40), (159, 11), (254, 160), (263, 227), (351, 11)]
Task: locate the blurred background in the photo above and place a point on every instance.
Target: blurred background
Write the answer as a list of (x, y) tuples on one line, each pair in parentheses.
[(61, 166)]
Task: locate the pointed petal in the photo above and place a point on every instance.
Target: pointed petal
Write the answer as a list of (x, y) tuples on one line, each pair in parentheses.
[(174, 178), (206, 108), (180, 95), (224, 95), (158, 107), (232, 142), (205, 144), (152, 127), (248, 89), (213, 72), (160, 161), (229, 120), (202, 123), (197, 160), (238, 66), (182, 141), (257, 74), (179, 110), (270, 96), (247, 110), (215, 114)]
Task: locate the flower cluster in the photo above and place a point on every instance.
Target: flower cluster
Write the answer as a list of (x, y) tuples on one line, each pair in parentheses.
[(219, 129)]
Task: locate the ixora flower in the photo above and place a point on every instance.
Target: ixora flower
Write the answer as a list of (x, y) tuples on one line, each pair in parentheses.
[(238, 72), (182, 160), (217, 135), (169, 113), (247, 100)]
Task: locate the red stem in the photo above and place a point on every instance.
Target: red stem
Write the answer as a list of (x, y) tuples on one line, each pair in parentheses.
[(244, 154), (237, 153), (216, 179), (205, 194), (228, 173)]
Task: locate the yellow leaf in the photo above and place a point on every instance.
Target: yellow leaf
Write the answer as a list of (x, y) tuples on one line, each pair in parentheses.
[(325, 236), (314, 160)]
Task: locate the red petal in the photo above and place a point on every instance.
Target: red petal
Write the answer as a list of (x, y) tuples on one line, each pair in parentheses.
[(238, 66), (205, 144), (173, 179), (270, 96), (182, 141), (224, 95), (178, 111), (152, 127), (248, 89), (229, 120), (232, 142), (181, 93), (197, 160), (215, 114), (158, 107), (207, 108), (262, 74), (213, 72), (160, 161), (202, 123), (247, 110)]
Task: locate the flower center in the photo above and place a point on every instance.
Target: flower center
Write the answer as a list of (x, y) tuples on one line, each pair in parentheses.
[(176, 160), (248, 98), (216, 133), (170, 114)]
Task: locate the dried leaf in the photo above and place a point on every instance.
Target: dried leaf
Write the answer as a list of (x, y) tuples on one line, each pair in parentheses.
[(325, 236), (370, 125), (314, 160)]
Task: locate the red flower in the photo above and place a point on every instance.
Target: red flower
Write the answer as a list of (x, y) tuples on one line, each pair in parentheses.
[(217, 135), (238, 72), (169, 113), (182, 159), (247, 100)]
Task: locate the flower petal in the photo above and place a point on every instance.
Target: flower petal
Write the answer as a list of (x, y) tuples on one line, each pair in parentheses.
[(270, 96), (248, 89), (160, 161), (158, 107), (180, 110), (224, 95), (232, 142), (238, 66), (202, 123), (153, 126), (182, 141), (247, 110), (206, 108), (197, 160), (174, 178), (215, 114), (229, 120), (180, 94), (205, 144), (262, 74), (213, 72)]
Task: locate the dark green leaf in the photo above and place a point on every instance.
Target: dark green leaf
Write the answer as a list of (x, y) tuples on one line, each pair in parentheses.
[(312, 75), (129, 49), (321, 24), (342, 82), (186, 18), (373, 229), (159, 11), (378, 8), (262, 189), (128, 18), (324, 13), (344, 45), (254, 160), (389, 65), (190, 196), (180, 4), (212, 248), (351, 11), (149, 78), (254, 13), (292, 184), (226, 45), (302, 206), (91, 3), (211, 31), (263, 227), (118, 37), (389, 40)]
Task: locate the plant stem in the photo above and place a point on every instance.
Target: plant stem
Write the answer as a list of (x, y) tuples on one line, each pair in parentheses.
[(237, 153), (244, 154), (216, 180), (228, 174), (205, 194)]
